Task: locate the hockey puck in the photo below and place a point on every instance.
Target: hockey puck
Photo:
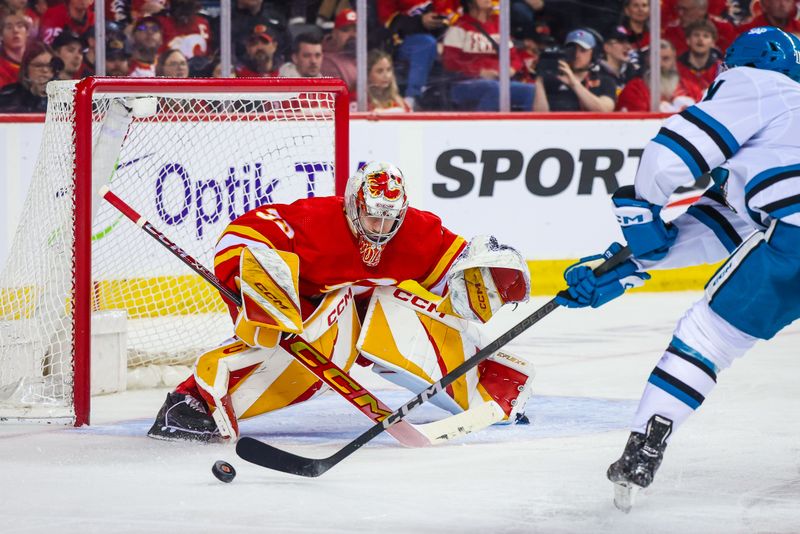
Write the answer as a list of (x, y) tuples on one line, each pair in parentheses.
[(223, 471)]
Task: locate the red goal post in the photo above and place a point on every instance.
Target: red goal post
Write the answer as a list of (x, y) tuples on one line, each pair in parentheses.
[(296, 108)]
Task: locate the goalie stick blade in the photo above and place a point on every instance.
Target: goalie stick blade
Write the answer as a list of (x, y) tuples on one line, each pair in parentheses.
[(265, 455)]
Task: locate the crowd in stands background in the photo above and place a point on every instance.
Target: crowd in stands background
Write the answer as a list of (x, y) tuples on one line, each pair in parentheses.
[(436, 55)]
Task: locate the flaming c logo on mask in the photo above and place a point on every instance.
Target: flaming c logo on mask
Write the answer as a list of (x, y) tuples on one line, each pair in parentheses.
[(380, 184)]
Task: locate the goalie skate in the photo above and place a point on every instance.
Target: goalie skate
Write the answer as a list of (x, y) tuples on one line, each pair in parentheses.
[(183, 418)]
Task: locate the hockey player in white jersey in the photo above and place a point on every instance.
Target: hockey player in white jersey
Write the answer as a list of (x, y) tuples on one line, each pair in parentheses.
[(746, 133)]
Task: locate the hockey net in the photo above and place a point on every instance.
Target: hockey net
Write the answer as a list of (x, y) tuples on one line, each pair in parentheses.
[(190, 155)]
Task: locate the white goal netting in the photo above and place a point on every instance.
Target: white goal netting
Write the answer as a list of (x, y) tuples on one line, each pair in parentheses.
[(188, 162)]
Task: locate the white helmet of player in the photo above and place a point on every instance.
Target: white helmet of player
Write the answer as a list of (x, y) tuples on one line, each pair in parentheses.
[(375, 203)]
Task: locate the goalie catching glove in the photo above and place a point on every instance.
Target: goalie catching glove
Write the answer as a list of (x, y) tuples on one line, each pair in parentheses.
[(484, 277), (268, 281), (586, 289)]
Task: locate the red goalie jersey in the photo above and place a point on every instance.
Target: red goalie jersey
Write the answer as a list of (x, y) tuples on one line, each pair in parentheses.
[(316, 229)]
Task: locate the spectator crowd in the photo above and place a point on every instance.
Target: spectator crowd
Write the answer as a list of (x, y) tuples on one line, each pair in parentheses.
[(435, 55)]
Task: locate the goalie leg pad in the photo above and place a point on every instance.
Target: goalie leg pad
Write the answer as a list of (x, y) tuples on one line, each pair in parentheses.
[(212, 374), (240, 381), (508, 381), (413, 346)]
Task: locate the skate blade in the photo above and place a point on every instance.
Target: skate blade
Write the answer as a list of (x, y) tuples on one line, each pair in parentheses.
[(624, 495)]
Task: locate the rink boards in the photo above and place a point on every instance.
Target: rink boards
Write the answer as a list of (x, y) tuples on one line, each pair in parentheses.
[(539, 183)]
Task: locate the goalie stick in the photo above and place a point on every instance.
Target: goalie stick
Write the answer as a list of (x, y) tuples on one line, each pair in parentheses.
[(266, 455), (322, 367)]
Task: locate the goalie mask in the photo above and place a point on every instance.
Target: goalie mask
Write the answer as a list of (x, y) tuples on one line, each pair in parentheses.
[(375, 203)]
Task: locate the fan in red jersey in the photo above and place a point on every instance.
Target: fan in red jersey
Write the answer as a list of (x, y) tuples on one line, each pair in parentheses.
[(74, 15), (362, 278), (185, 29)]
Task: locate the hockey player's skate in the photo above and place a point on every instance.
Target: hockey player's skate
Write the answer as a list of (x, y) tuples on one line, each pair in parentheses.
[(639, 461), (183, 417)]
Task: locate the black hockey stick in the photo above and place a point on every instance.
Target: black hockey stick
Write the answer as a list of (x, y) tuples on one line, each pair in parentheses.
[(266, 455)]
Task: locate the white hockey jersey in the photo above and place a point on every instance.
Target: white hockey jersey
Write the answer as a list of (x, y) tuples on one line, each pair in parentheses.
[(748, 128)]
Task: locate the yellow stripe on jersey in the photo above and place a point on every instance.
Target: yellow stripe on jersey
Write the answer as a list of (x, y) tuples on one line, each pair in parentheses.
[(444, 262), (228, 254), (246, 231)]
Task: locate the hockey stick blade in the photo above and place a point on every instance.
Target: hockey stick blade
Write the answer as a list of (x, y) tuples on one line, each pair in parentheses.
[(263, 454), (255, 451)]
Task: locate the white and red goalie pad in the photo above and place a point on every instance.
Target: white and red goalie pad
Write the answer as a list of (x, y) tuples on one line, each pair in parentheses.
[(245, 381), (412, 344)]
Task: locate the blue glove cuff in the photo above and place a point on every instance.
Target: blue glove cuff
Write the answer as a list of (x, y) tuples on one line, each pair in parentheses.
[(647, 235)]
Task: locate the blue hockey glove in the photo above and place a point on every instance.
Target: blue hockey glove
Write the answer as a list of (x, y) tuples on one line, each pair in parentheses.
[(585, 289), (648, 237)]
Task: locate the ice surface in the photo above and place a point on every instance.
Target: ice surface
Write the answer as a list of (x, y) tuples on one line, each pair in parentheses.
[(733, 467)]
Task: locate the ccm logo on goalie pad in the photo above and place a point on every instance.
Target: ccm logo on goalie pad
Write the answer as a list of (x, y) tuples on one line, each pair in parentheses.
[(338, 310), (417, 301)]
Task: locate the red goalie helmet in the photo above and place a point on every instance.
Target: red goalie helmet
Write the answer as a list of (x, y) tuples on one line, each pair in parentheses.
[(375, 203)]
